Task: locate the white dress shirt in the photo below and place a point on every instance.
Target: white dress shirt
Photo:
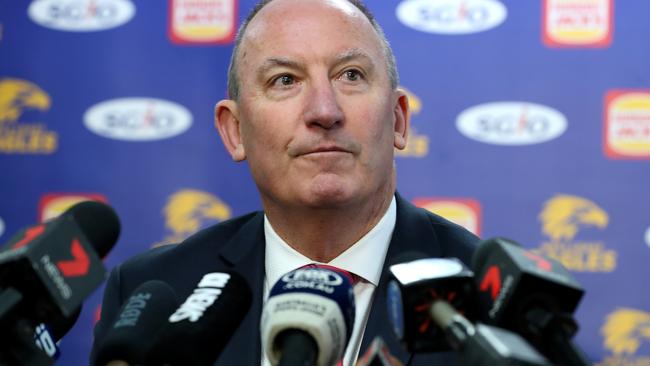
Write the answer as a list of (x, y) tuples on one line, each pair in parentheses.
[(365, 258)]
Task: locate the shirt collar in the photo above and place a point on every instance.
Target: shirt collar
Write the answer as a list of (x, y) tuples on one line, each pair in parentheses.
[(365, 258)]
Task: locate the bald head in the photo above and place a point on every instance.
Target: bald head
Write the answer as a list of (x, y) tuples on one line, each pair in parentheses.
[(352, 8)]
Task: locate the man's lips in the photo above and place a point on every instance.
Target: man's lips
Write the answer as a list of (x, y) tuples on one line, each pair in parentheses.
[(326, 149)]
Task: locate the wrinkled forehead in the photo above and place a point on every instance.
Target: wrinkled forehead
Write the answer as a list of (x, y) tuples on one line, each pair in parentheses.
[(308, 27)]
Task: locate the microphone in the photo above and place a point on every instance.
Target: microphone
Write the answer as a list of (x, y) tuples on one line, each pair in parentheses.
[(46, 271), (308, 317), (48, 334), (422, 296), (530, 294), (198, 330), (140, 318), (55, 265)]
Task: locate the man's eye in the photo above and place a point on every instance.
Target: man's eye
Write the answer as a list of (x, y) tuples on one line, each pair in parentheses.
[(352, 75), (284, 80)]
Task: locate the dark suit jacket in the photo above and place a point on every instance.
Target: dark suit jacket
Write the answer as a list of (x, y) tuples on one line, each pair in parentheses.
[(238, 245)]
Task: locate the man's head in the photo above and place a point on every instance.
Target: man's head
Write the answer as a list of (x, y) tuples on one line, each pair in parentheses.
[(316, 114), (233, 78)]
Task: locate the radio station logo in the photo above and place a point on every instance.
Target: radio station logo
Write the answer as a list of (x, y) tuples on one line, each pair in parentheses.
[(138, 119), (625, 332), (52, 205), (81, 15), (17, 99), (202, 22), (563, 218), (577, 23), (511, 123), (417, 146), (627, 124), (188, 211), (465, 212), (450, 17)]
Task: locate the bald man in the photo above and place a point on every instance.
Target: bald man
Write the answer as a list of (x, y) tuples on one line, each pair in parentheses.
[(314, 107)]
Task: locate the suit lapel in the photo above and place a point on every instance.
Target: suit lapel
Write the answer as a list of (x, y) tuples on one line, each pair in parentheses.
[(245, 254), (413, 233)]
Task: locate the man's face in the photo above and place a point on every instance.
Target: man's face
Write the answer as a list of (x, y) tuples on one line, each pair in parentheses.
[(317, 117)]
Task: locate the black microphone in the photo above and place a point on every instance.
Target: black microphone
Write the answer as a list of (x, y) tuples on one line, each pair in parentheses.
[(530, 294), (48, 334), (141, 317), (309, 316), (46, 271), (197, 332), (55, 265), (420, 297)]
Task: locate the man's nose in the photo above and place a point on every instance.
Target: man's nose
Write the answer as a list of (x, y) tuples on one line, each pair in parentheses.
[(321, 106)]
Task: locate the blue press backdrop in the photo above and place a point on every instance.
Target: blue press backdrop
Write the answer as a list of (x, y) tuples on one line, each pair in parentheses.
[(531, 120)]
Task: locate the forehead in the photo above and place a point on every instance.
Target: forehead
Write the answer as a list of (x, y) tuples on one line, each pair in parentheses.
[(306, 29)]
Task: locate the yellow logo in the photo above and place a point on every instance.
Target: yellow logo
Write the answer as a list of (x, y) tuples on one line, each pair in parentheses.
[(562, 217), (417, 145), (17, 96), (189, 210), (624, 331)]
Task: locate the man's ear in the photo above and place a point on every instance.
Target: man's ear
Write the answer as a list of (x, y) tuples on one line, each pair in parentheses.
[(226, 119), (402, 119)]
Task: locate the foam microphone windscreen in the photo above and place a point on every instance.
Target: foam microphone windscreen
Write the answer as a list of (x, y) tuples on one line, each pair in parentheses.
[(197, 332), (98, 222), (137, 323)]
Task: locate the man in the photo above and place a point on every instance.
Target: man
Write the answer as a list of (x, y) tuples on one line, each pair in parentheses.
[(316, 112)]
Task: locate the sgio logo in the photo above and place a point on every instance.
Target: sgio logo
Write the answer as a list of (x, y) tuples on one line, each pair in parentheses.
[(451, 16), (81, 15), (511, 123), (138, 119)]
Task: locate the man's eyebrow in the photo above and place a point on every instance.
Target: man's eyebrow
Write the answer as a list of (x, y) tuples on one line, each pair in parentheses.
[(272, 62), (352, 54)]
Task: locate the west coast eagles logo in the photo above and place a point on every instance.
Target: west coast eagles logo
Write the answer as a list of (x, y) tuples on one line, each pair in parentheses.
[(16, 98), (625, 332), (563, 217), (189, 210)]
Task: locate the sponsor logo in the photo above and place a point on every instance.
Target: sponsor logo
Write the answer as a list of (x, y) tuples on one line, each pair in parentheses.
[(52, 205), (81, 15), (627, 124), (202, 21), (511, 123), (19, 97), (207, 292), (625, 332), (138, 119), (577, 23), (189, 210), (462, 211), (417, 145), (451, 16), (562, 218), (647, 234), (2, 227)]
